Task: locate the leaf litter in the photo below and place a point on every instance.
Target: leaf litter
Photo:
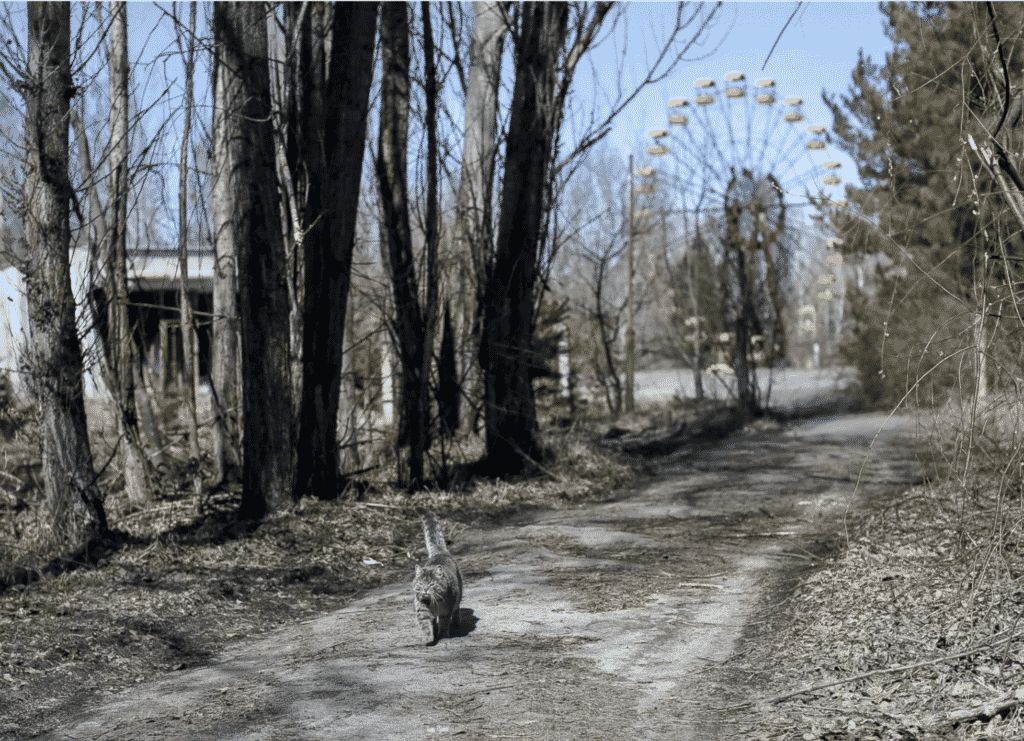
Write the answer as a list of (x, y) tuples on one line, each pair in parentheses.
[(913, 632)]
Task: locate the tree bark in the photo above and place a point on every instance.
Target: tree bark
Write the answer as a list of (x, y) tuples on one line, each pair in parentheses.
[(742, 253), (188, 333), (409, 323), (54, 355), (692, 260), (332, 150), (240, 34), (298, 69), (447, 381), (348, 422), (121, 343), (225, 373), (513, 435), (473, 237), (432, 236)]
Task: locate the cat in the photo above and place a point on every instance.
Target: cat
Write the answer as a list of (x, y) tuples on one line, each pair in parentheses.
[(437, 586)]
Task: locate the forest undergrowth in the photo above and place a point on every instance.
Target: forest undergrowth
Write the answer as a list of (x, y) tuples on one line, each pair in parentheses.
[(914, 630)]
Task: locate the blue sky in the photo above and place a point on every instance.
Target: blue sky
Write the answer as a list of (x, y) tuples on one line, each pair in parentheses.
[(817, 51)]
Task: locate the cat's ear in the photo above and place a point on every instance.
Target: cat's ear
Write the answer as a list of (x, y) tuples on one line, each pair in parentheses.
[(419, 571), (439, 572)]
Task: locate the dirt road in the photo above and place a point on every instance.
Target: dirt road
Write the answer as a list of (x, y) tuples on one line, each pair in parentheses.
[(579, 624)]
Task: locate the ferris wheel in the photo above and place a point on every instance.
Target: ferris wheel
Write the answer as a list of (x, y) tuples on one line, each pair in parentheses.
[(744, 159)]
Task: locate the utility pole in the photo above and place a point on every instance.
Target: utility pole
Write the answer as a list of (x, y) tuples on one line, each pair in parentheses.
[(631, 317)]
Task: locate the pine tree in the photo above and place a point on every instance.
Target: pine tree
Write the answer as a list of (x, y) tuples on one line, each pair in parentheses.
[(927, 203)]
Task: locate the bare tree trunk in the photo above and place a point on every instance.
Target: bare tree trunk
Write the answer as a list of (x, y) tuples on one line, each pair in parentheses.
[(691, 274), (348, 404), (392, 178), (225, 369), (607, 326), (240, 34), (745, 320), (297, 76), (447, 381), (188, 330), (432, 237), (147, 420), (121, 344), (333, 150), (54, 355), (981, 351), (473, 238), (513, 435), (740, 252)]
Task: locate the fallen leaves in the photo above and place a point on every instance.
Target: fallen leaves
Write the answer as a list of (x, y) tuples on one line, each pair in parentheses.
[(911, 632)]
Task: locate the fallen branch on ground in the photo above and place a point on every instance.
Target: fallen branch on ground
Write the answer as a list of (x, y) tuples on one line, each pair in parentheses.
[(986, 710), (873, 673)]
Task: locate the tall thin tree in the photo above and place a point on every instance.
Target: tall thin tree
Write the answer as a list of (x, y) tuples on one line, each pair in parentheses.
[(392, 175), (251, 210), (121, 344), (53, 355), (473, 237), (225, 370), (432, 236), (190, 353), (331, 151), (98, 239)]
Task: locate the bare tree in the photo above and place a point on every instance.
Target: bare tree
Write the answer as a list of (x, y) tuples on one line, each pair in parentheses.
[(53, 356), (607, 316), (243, 94), (548, 49), (225, 375), (98, 241), (121, 343), (759, 202), (592, 267), (190, 353), (473, 238), (299, 39), (392, 177), (433, 225), (330, 151), (513, 435)]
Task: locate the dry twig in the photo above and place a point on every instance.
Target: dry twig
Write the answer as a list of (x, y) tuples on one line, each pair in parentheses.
[(873, 673), (989, 709)]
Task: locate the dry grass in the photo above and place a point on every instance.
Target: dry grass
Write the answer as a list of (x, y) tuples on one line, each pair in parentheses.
[(934, 574)]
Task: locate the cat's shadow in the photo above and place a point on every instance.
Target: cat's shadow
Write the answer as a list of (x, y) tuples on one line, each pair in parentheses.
[(467, 624)]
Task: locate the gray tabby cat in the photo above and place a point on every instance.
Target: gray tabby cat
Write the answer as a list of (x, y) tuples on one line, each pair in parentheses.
[(437, 587)]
